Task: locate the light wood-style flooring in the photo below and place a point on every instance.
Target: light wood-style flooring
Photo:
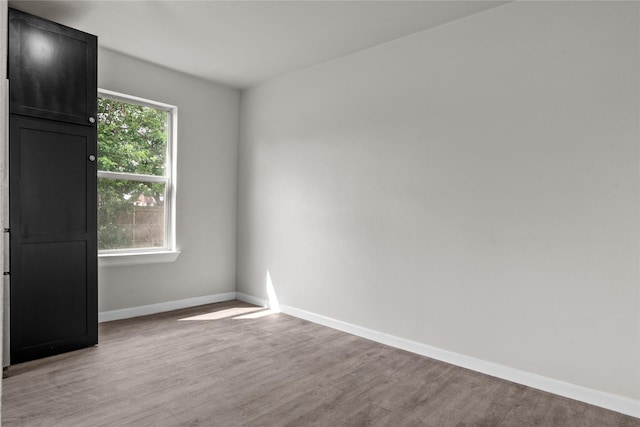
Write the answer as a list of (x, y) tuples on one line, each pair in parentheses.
[(232, 364)]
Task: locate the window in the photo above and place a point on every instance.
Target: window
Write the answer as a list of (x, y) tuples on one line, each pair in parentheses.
[(136, 175)]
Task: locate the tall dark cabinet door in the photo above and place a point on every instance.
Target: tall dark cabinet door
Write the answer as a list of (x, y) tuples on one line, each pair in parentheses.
[(52, 190), (52, 70)]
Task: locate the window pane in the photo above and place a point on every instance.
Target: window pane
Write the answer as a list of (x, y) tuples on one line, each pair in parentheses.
[(130, 214), (131, 138)]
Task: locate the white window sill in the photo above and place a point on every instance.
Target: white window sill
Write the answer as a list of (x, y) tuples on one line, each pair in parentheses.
[(133, 258)]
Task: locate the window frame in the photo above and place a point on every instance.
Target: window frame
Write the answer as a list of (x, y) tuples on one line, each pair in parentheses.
[(168, 252)]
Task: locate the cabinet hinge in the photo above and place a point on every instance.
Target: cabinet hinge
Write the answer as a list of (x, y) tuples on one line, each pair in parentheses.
[(7, 273), (6, 230)]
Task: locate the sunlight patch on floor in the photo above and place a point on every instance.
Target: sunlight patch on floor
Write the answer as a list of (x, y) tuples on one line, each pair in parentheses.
[(256, 315), (234, 312)]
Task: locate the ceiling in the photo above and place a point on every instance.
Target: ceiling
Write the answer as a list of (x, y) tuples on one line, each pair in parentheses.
[(240, 43)]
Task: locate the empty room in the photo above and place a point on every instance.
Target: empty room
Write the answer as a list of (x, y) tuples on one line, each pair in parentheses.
[(320, 213)]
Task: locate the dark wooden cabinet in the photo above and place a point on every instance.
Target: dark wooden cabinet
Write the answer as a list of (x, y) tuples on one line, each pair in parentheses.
[(52, 188), (52, 70)]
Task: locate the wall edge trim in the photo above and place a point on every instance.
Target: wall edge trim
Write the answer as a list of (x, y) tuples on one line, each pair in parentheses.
[(260, 302), (144, 310), (621, 404)]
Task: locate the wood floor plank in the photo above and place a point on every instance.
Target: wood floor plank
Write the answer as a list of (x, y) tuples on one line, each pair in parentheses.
[(215, 366), (599, 417), (491, 410)]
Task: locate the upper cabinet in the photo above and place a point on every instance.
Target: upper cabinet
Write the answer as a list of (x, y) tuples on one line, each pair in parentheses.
[(52, 70)]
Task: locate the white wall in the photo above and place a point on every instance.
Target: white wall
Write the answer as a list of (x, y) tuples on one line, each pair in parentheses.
[(208, 117), (473, 187)]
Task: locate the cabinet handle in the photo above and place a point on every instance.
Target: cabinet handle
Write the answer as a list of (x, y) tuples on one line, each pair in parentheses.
[(92, 120), (92, 158)]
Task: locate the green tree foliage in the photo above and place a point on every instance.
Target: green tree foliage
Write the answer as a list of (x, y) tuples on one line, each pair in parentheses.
[(131, 139)]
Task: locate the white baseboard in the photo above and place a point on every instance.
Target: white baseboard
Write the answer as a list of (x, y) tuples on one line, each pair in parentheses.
[(610, 401), (252, 300), (145, 310)]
